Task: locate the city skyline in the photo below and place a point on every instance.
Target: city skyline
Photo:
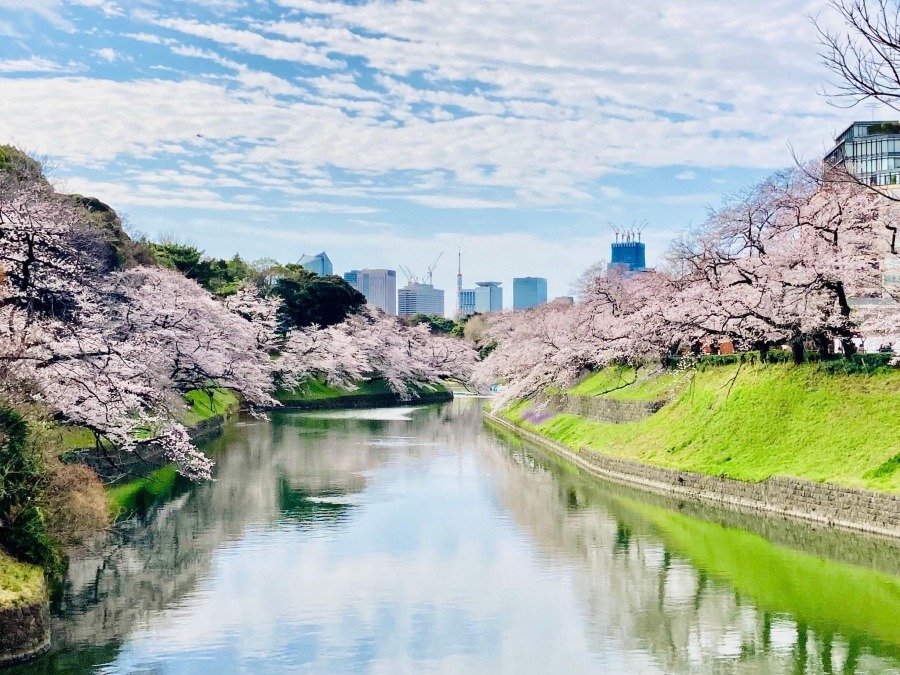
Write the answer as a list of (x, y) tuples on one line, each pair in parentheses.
[(386, 134)]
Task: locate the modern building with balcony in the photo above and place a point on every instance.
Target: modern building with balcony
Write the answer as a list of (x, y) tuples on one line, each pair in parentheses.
[(417, 298), (486, 298), (529, 292), (870, 151), (318, 264)]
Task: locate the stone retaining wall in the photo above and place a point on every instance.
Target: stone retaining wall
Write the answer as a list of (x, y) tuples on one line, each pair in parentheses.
[(845, 508), (601, 409), (24, 632)]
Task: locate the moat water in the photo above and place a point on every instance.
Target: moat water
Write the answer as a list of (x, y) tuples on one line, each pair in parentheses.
[(420, 541)]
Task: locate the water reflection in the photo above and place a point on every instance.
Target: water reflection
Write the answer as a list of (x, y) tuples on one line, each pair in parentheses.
[(421, 542)]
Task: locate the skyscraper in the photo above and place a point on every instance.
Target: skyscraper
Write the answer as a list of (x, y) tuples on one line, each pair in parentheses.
[(529, 292), (318, 264), (629, 254), (379, 286), (487, 297), (418, 298)]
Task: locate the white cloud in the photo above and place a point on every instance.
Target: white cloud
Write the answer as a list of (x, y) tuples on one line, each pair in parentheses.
[(35, 65), (686, 175), (107, 54)]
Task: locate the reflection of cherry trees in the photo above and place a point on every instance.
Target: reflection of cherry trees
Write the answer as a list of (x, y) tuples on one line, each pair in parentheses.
[(632, 592), (776, 265)]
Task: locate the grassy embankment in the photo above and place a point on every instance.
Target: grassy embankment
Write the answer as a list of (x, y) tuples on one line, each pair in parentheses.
[(20, 583), (315, 390), (774, 420)]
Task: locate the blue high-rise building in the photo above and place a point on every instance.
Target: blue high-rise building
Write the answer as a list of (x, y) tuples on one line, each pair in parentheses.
[(529, 292), (629, 255), (351, 277), (318, 264)]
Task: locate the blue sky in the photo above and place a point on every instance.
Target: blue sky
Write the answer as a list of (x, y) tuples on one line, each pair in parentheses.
[(386, 132)]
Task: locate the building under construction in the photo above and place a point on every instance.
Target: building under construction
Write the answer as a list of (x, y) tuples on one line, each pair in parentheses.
[(628, 251), (420, 298)]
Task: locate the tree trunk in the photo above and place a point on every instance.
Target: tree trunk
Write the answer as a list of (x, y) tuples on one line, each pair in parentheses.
[(797, 351), (849, 347), (823, 344), (763, 352)]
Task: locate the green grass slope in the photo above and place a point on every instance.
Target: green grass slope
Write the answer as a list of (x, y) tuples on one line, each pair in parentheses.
[(20, 583), (772, 420), (315, 390)]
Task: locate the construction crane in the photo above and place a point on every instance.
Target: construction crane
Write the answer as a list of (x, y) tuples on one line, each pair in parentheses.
[(410, 277), (430, 273)]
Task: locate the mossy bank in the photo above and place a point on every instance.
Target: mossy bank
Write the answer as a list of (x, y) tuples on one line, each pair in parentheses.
[(24, 612), (316, 395), (745, 422)]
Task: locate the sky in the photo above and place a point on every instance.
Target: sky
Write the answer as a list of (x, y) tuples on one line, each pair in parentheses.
[(387, 132)]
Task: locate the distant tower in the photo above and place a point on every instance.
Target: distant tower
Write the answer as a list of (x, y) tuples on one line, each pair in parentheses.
[(459, 288)]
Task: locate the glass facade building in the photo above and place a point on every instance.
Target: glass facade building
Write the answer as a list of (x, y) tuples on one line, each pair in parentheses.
[(420, 299), (488, 297), (318, 264), (529, 292), (379, 287), (630, 256), (870, 151)]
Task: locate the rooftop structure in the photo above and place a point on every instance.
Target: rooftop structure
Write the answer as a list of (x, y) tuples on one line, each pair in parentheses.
[(488, 297), (529, 292), (628, 251), (870, 151), (318, 264)]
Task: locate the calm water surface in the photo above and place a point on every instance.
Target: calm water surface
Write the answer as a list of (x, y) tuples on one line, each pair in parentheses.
[(417, 541)]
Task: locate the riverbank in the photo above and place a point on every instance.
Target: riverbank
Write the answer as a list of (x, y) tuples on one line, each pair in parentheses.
[(782, 439), (24, 612), (316, 395)]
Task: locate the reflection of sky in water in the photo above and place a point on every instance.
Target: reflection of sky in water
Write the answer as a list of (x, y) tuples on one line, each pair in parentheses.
[(454, 589), (382, 414), (426, 545)]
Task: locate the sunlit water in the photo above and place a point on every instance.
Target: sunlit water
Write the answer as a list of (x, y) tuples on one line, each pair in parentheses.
[(418, 541)]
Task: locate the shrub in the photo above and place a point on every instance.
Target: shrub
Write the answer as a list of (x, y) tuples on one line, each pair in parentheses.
[(859, 364), (23, 522), (45, 505)]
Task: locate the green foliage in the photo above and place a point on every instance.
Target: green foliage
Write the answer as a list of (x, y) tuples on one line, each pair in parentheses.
[(219, 277), (23, 481), (123, 251), (763, 421), (858, 364), (313, 300), (16, 163), (437, 324), (885, 128)]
